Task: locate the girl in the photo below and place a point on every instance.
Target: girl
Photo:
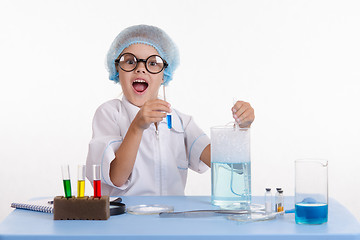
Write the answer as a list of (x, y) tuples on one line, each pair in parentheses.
[(131, 142)]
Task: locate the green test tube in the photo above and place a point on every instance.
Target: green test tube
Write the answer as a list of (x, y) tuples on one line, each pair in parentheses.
[(66, 180)]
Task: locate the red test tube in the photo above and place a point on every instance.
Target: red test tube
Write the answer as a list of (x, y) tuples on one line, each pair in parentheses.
[(97, 181)]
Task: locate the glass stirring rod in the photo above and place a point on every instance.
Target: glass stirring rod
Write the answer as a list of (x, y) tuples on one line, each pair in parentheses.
[(168, 116), (236, 124)]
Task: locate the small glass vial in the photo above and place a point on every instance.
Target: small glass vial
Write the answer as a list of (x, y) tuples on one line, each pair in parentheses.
[(268, 201), (280, 202), (277, 199)]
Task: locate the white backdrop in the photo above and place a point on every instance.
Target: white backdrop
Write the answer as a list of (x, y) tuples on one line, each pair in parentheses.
[(296, 62)]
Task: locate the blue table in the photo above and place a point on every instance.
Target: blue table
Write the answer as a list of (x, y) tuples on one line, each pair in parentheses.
[(24, 224)]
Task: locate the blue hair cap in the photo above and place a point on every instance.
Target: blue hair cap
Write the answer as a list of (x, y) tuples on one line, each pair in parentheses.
[(144, 34)]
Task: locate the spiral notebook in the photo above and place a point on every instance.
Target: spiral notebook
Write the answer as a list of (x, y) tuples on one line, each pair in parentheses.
[(42, 205)]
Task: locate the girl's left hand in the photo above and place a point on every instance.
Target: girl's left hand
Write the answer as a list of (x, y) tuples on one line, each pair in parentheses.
[(243, 114)]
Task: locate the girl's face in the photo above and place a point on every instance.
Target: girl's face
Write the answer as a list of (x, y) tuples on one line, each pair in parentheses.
[(139, 85)]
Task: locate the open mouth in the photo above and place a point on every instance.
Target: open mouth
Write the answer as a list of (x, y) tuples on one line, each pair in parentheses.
[(140, 86)]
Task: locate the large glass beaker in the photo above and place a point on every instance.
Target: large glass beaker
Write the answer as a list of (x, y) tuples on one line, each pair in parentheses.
[(230, 167)]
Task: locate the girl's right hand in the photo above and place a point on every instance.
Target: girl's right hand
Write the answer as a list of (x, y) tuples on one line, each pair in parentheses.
[(151, 112)]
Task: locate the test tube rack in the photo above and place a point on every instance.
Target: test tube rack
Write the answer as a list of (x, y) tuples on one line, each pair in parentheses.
[(84, 208)]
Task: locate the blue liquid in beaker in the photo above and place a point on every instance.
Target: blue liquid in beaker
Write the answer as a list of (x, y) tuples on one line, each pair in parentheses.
[(231, 184), (311, 213)]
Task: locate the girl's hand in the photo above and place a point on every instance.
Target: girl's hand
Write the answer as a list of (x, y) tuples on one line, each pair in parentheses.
[(151, 112), (243, 114)]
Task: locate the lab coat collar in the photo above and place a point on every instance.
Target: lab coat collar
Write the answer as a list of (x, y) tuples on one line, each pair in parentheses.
[(133, 110)]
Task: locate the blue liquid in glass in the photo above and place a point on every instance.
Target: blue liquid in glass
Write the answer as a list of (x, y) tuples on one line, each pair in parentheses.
[(169, 123), (311, 213), (231, 184)]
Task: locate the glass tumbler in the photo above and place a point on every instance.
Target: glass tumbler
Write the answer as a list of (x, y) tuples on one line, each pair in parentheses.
[(311, 191)]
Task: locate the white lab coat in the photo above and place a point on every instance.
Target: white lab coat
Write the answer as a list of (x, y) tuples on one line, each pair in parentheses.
[(161, 163)]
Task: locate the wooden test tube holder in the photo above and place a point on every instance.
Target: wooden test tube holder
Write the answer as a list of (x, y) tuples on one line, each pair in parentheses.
[(85, 208)]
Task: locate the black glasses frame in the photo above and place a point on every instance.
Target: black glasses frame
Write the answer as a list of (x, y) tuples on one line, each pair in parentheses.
[(141, 60)]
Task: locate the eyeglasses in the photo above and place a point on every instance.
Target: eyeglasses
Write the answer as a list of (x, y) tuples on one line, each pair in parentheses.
[(153, 64)]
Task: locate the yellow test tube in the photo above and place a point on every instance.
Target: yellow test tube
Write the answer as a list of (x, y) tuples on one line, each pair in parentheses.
[(81, 181)]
